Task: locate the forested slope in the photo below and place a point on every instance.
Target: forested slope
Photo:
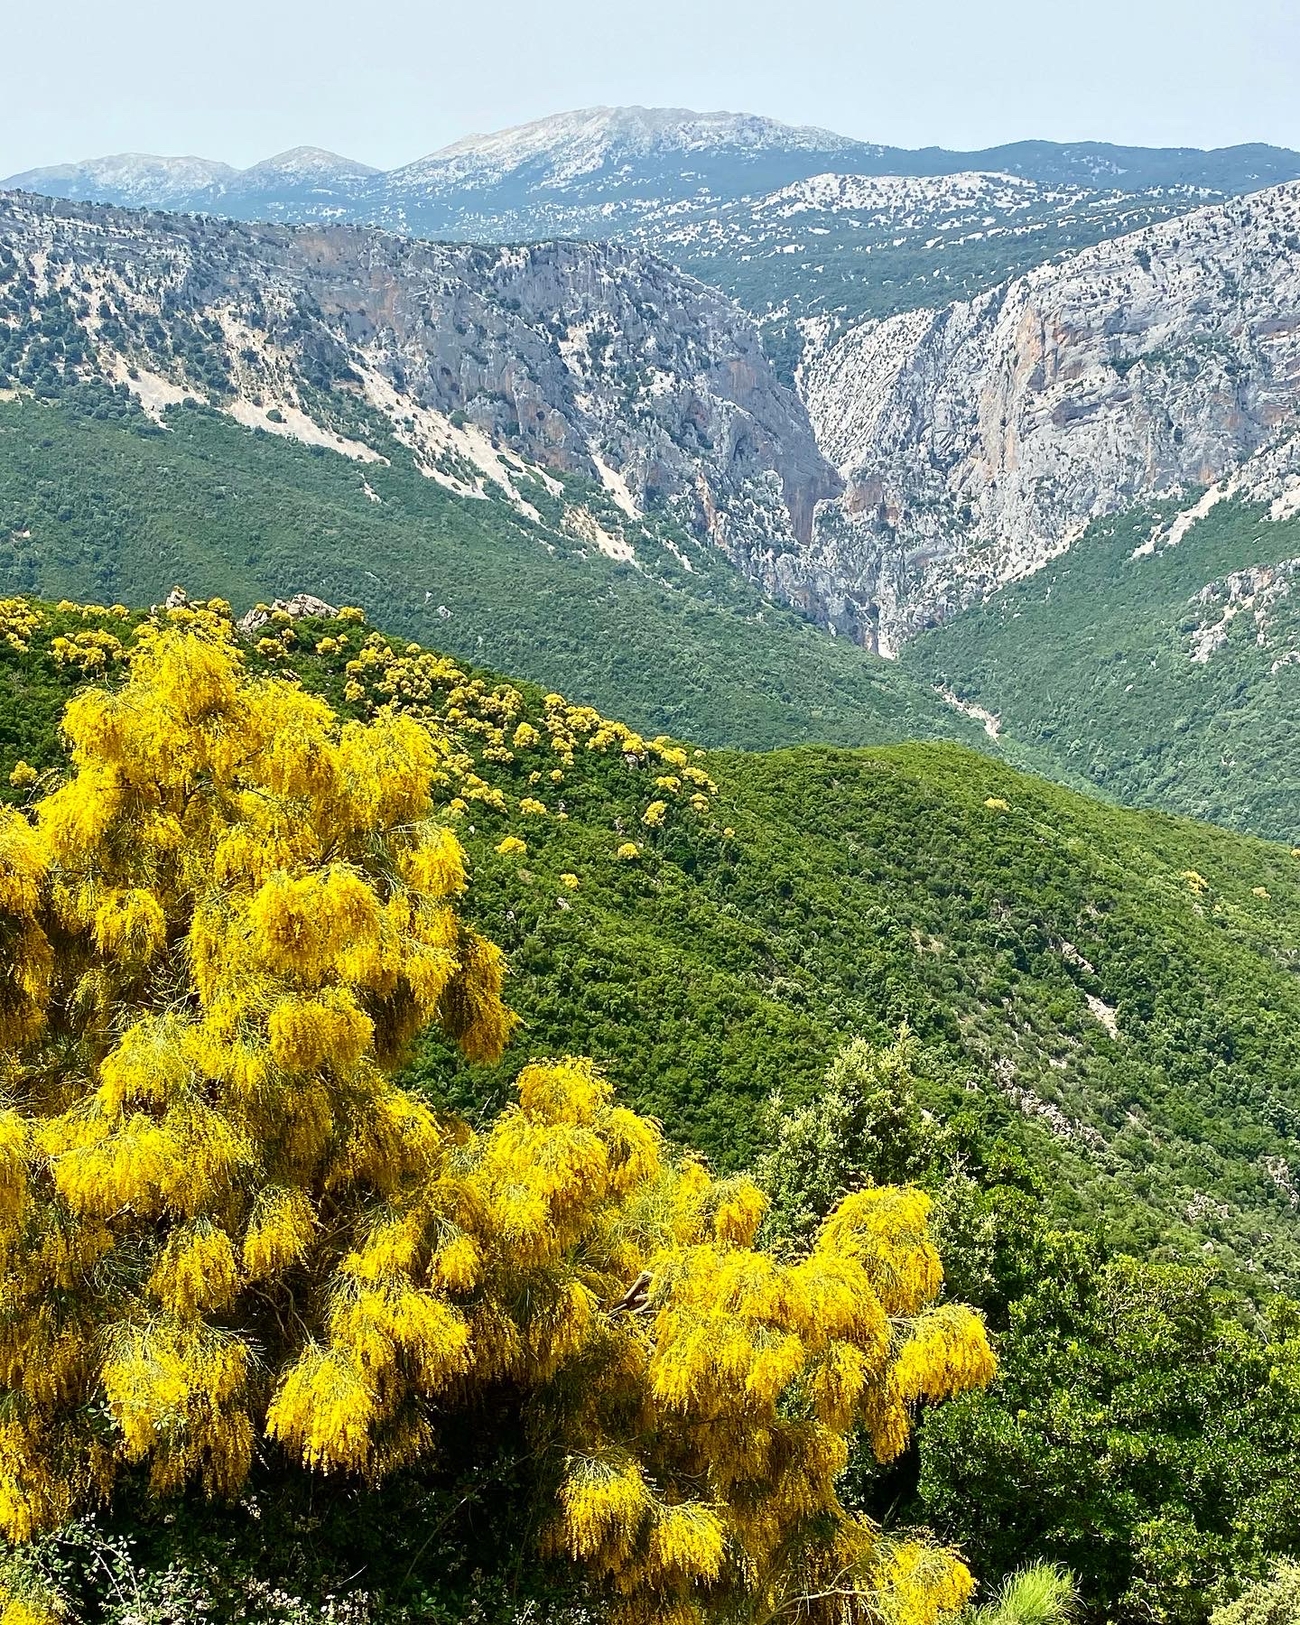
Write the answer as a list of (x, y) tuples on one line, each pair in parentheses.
[(1102, 1007), (94, 505), (1116, 989), (1163, 673)]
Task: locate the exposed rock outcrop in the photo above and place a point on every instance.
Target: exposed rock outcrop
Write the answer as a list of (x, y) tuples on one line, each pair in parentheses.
[(979, 440), (503, 369), (302, 606)]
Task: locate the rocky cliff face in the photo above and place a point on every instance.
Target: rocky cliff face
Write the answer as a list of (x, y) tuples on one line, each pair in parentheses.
[(978, 440), (503, 369)]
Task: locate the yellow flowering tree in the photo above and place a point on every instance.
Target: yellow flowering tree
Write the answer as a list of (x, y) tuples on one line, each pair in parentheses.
[(224, 1227)]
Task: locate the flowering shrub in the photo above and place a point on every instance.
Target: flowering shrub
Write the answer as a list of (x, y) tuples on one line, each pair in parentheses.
[(224, 928), (90, 652), (18, 620)]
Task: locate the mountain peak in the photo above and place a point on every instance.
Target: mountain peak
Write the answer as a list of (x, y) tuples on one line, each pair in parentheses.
[(588, 140), (133, 178), (307, 161)]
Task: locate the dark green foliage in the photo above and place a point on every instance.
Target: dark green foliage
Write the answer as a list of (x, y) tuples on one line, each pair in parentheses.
[(432, 1547), (864, 1121), (1140, 1432), (1089, 664), (1144, 1427), (864, 890)]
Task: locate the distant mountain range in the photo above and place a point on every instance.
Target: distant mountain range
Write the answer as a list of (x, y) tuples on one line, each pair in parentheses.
[(792, 221), (607, 156)]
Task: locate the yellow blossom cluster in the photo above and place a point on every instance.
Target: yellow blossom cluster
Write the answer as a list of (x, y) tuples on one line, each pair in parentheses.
[(746, 1374), (116, 612), (18, 620), (219, 933), (487, 725), (703, 1391), (90, 652), (434, 689), (98, 611), (567, 724), (26, 1599)]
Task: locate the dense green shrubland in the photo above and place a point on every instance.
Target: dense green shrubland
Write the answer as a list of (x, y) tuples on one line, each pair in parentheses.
[(1088, 662), (1143, 1430), (831, 894)]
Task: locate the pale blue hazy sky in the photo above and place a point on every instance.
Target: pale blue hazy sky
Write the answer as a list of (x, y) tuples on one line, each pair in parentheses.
[(389, 80)]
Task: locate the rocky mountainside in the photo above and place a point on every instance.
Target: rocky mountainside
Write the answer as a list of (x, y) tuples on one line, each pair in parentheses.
[(978, 440), (536, 457), (302, 181), (603, 156), (616, 408), (845, 247), (501, 369), (792, 221)]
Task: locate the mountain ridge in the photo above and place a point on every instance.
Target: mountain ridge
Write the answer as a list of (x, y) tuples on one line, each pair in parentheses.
[(707, 192), (549, 451), (586, 135), (494, 363)]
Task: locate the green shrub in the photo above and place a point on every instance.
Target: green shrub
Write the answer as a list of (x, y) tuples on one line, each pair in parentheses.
[(1275, 1601), (1041, 1595)]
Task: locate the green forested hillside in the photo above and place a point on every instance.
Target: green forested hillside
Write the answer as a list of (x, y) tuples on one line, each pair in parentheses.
[(97, 503), (863, 890), (1115, 989), (1104, 1008), (1091, 663)]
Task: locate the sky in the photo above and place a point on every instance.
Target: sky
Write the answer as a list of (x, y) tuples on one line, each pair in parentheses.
[(390, 80)]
